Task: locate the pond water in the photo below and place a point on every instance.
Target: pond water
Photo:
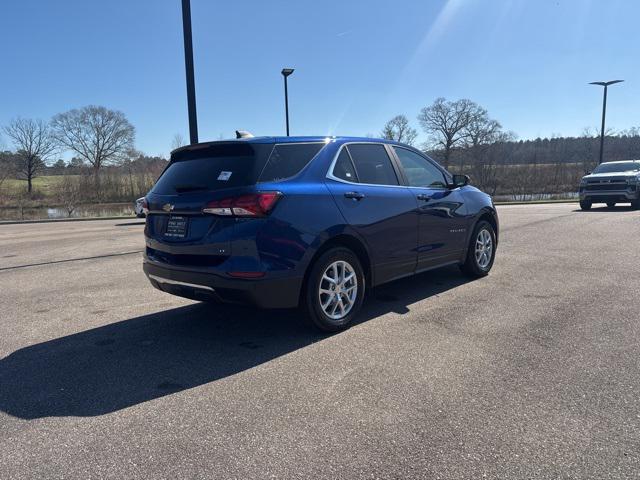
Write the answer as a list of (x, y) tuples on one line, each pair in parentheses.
[(100, 210)]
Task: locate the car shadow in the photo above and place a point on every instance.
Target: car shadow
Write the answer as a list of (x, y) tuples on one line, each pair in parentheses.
[(604, 209), (121, 364)]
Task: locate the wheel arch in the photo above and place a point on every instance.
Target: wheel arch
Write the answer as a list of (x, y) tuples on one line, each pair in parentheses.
[(491, 217), (487, 214), (345, 240)]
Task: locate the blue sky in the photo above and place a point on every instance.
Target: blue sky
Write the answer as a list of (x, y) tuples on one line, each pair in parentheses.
[(357, 63)]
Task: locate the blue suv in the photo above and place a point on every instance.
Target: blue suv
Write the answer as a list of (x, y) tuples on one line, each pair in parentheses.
[(316, 222)]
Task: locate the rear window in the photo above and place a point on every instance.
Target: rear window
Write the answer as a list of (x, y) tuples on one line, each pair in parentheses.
[(214, 167), (288, 159), (231, 165)]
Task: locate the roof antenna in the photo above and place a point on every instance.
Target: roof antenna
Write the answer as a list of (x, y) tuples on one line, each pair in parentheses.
[(243, 134)]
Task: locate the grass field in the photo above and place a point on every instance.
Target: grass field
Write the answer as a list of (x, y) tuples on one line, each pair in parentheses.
[(44, 185), (53, 190)]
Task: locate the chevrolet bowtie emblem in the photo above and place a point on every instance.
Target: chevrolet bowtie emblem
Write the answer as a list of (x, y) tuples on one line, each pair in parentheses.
[(167, 207)]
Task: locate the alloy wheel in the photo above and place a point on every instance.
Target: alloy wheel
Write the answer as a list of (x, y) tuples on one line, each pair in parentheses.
[(338, 290), (484, 248)]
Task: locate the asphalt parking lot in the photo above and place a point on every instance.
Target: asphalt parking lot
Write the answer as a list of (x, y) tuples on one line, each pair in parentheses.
[(532, 372)]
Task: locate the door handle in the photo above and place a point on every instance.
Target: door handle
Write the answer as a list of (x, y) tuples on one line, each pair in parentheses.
[(355, 195), (423, 196)]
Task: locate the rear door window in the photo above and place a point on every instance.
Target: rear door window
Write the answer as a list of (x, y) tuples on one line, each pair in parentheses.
[(372, 163), (288, 159), (213, 167)]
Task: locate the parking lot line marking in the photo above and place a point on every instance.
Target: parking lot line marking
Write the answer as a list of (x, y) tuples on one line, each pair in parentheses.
[(70, 260)]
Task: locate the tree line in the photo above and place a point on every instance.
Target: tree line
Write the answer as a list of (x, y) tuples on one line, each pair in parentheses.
[(460, 134), (463, 137)]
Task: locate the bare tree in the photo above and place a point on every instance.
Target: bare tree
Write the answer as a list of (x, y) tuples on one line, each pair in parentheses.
[(630, 132), (485, 168), (594, 132), (479, 134), (34, 146), (445, 122), (130, 168), (69, 193), (398, 129), (98, 135), (588, 148), (481, 130), (177, 142), (7, 166)]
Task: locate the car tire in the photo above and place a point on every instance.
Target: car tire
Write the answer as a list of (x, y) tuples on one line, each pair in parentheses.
[(481, 251), (635, 204), (320, 303), (585, 204), (611, 204)]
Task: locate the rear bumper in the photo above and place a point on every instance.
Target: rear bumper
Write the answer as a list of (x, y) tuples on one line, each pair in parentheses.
[(280, 292)]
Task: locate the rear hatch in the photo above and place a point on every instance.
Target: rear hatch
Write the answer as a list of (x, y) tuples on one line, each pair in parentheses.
[(177, 230), (194, 205)]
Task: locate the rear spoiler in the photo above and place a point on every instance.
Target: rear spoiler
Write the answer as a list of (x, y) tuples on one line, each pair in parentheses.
[(246, 136)]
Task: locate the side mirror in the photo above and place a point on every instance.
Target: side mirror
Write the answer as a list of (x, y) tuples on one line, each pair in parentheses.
[(460, 181)]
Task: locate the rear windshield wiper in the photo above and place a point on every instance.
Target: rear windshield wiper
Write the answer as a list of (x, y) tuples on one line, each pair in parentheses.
[(189, 188)]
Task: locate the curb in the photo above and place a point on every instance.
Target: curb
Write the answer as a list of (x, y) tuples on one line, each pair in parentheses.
[(61, 220), (533, 202)]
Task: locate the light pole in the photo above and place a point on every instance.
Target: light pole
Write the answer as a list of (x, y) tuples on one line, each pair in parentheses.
[(188, 65), (285, 73), (604, 110)]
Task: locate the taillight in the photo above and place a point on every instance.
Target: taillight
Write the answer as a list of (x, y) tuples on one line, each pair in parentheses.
[(145, 206), (252, 205)]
